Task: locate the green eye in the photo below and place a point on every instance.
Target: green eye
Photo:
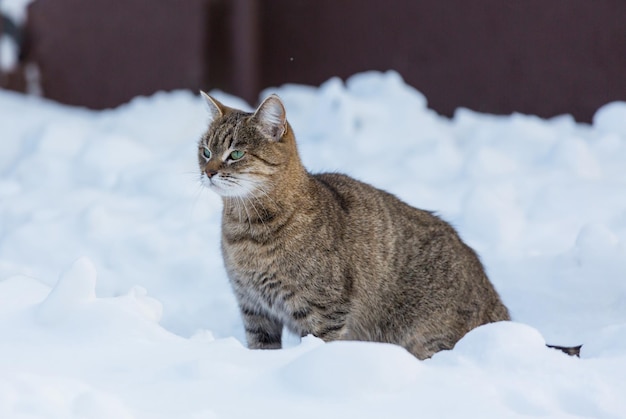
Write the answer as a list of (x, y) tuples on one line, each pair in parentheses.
[(206, 152), (237, 154)]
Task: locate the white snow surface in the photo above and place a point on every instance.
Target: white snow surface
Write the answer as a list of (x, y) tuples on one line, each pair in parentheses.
[(8, 53), (114, 302), (17, 10)]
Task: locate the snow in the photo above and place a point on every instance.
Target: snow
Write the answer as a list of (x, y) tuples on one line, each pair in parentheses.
[(114, 302), (8, 53), (16, 10)]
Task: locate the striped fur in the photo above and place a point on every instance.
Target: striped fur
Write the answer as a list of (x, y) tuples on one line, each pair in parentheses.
[(328, 255)]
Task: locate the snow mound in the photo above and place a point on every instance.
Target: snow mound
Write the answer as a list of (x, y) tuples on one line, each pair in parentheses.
[(33, 396), (351, 370), (141, 321), (611, 118)]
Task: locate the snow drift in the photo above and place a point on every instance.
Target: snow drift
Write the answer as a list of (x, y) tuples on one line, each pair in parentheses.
[(114, 302)]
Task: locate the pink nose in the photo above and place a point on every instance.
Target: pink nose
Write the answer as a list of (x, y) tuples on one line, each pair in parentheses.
[(210, 173)]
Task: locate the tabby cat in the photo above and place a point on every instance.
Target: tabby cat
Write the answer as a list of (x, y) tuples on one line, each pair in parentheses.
[(331, 256)]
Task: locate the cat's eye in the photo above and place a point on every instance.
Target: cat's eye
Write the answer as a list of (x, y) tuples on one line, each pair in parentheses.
[(206, 153), (237, 154)]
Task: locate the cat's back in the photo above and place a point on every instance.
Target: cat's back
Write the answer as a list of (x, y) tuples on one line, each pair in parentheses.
[(381, 233), (392, 233), (411, 264), (362, 202)]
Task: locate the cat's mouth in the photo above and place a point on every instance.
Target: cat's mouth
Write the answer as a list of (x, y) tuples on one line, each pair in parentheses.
[(215, 185), (228, 186)]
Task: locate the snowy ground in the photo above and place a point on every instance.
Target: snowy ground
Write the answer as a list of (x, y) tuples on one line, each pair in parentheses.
[(114, 302)]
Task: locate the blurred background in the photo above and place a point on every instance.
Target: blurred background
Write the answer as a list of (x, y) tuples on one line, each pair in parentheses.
[(543, 57)]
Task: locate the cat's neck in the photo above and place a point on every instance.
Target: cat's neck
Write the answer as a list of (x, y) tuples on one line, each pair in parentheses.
[(288, 191)]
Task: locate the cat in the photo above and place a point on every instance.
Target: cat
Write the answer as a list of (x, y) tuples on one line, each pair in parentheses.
[(331, 256)]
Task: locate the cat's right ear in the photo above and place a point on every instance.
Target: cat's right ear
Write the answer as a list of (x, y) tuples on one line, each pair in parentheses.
[(216, 109), (272, 117)]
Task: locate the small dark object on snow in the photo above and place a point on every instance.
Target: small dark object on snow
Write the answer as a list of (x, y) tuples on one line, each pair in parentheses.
[(570, 350)]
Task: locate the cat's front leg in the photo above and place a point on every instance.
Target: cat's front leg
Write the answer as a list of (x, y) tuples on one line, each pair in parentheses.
[(262, 331), (327, 322)]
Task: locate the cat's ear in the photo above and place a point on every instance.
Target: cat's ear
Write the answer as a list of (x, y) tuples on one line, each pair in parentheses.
[(272, 117), (216, 109)]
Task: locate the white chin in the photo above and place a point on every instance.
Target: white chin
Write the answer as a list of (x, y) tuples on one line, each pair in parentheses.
[(227, 190), (230, 192)]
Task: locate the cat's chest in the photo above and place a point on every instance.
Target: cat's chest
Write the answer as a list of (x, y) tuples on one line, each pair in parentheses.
[(250, 254), (265, 286), (263, 246), (264, 275), (251, 264)]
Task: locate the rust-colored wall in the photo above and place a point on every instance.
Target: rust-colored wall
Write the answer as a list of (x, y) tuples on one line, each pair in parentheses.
[(101, 53), (544, 57)]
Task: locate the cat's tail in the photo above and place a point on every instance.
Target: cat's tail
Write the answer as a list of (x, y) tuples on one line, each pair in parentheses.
[(570, 350)]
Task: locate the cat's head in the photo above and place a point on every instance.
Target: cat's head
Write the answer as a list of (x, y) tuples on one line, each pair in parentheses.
[(241, 154)]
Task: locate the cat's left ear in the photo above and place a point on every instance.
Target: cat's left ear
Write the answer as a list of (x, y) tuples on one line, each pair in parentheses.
[(272, 117), (216, 109)]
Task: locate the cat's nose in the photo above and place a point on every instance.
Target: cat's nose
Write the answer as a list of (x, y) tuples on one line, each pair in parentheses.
[(210, 173)]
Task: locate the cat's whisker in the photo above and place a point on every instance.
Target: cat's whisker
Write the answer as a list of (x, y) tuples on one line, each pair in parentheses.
[(199, 189), (239, 183), (189, 172), (239, 209), (246, 210), (259, 186), (257, 212), (267, 196)]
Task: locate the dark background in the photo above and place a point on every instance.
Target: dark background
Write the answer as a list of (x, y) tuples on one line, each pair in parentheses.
[(543, 57)]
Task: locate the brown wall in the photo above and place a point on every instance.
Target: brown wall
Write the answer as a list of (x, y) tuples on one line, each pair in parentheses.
[(101, 53), (544, 57)]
